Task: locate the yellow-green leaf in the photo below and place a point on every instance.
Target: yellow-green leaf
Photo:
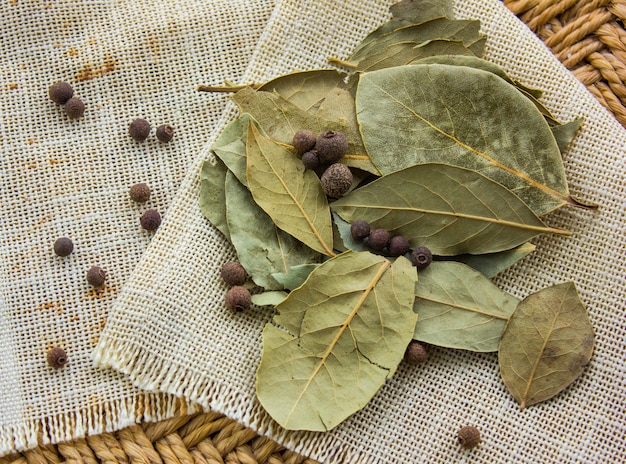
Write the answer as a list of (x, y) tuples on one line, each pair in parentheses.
[(546, 344), (292, 196), (339, 337), (212, 198)]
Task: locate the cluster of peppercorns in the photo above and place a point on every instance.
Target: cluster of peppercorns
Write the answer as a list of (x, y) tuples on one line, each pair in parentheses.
[(62, 93), (140, 128), (325, 150), (151, 219), (238, 297), (64, 246), (381, 240)]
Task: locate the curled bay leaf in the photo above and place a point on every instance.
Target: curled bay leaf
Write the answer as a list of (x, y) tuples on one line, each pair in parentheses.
[(262, 248), (459, 307), (271, 298), (212, 199), (296, 275), (338, 338), (292, 196), (546, 344), (564, 133), (449, 209), (473, 119)]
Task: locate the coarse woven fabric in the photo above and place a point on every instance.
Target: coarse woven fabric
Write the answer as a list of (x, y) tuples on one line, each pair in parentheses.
[(170, 332), (62, 177)]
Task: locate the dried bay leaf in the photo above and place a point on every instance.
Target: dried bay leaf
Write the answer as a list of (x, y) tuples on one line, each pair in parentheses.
[(490, 264), (295, 276), (271, 298), (449, 209), (459, 307), (564, 133), (292, 196), (546, 344), (212, 198), (341, 335), (473, 119), (261, 247)]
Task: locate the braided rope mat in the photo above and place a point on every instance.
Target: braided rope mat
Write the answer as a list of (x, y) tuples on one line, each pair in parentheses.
[(587, 36)]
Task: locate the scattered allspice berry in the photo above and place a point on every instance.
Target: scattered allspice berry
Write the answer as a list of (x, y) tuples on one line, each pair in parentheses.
[(360, 229), (336, 180), (165, 132), (398, 246), (63, 246), (303, 141), (139, 192), (378, 239), (57, 357), (150, 220), (96, 276), (331, 146), (233, 273), (415, 353), (238, 298), (60, 92), (74, 108), (421, 257), (310, 160), (469, 437), (139, 129)]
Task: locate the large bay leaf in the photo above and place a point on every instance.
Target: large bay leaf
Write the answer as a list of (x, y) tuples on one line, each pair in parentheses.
[(546, 344), (342, 334), (292, 196), (281, 119), (212, 198), (459, 307), (490, 264), (473, 119), (449, 209), (262, 248)]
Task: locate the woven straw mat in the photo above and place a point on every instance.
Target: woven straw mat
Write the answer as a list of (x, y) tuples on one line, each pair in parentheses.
[(174, 350)]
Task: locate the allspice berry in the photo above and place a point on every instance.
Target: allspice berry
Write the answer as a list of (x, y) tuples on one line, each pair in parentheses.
[(96, 276), (60, 92), (303, 141), (56, 357), (150, 220), (331, 146), (398, 246), (310, 160), (139, 129), (140, 193), (238, 298), (421, 257), (233, 273), (360, 229), (63, 246), (336, 180), (469, 437), (165, 132), (74, 108), (415, 353), (378, 239)]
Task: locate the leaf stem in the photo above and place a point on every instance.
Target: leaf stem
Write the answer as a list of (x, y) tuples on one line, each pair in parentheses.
[(344, 64)]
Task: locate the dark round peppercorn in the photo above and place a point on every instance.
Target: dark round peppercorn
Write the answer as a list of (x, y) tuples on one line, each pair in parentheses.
[(360, 229), (469, 437), (56, 357), (415, 353), (331, 146), (165, 132), (336, 180), (233, 273), (303, 141), (421, 257), (139, 192), (74, 108), (150, 220), (378, 239), (238, 298), (139, 129), (60, 92), (63, 246), (96, 276), (398, 246), (310, 160)]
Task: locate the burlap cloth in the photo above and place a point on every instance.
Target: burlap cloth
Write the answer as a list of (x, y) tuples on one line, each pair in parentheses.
[(167, 336)]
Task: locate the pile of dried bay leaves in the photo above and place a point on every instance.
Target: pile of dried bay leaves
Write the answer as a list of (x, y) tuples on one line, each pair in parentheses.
[(445, 150)]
